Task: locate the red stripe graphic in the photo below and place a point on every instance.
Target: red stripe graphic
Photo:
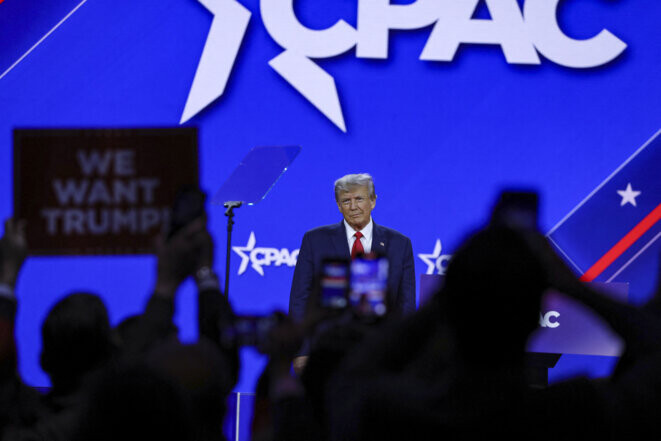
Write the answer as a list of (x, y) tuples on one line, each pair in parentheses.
[(623, 245)]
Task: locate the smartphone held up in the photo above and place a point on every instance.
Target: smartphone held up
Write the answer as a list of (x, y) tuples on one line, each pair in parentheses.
[(359, 285)]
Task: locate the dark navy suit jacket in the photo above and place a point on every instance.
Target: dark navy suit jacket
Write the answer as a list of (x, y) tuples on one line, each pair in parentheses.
[(330, 241)]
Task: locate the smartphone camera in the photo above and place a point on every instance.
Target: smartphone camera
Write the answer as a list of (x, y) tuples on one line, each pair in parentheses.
[(517, 209), (369, 285), (335, 284)]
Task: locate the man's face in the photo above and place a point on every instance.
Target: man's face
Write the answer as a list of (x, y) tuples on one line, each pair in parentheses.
[(356, 206)]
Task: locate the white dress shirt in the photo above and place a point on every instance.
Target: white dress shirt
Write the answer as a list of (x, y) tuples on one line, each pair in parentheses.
[(366, 240)]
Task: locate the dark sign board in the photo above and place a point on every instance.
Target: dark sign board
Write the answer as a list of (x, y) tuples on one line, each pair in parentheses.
[(99, 191)]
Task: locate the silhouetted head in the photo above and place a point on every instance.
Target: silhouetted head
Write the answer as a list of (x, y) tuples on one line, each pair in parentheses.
[(76, 339), (492, 296), (326, 353), (203, 374), (135, 402)]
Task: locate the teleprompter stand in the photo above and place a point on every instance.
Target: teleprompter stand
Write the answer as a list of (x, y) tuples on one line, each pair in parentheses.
[(230, 205), (249, 183)]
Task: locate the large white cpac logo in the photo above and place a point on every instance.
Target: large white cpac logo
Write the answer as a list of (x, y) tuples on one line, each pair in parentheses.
[(522, 35)]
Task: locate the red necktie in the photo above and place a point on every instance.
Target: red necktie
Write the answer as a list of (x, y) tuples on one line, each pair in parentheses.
[(357, 245)]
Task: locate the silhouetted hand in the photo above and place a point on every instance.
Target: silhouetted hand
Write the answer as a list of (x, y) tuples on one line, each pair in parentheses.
[(282, 344), (13, 251), (205, 248), (313, 316), (179, 256), (299, 364), (284, 340)]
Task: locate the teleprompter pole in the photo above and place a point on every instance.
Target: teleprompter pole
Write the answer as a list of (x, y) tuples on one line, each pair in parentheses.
[(230, 205)]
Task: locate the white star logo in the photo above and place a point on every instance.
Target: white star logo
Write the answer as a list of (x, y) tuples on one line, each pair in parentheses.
[(245, 252), (436, 260), (628, 196)]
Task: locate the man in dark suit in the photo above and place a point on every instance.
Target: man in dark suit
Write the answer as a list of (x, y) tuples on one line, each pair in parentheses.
[(357, 233)]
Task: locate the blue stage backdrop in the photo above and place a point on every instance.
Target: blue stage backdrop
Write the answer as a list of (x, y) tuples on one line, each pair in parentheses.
[(443, 102)]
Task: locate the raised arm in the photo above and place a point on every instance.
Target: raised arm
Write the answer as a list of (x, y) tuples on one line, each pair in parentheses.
[(177, 259), (13, 251)]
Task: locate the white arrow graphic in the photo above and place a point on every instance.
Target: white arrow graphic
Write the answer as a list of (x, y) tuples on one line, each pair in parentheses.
[(314, 83), (220, 50)]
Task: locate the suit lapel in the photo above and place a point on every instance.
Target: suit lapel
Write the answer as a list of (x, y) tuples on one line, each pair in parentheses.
[(340, 241), (379, 243)]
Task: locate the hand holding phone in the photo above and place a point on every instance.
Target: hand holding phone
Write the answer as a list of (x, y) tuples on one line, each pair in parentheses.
[(517, 209)]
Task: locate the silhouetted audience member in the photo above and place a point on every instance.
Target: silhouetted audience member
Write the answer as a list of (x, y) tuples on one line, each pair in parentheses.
[(176, 392), (455, 369), (204, 373), (326, 353), (76, 341), (187, 253), (135, 402), (290, 403), (282, 408), (20, 405), (492, 297), (205, 377), (79, 344), (472, 335)]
